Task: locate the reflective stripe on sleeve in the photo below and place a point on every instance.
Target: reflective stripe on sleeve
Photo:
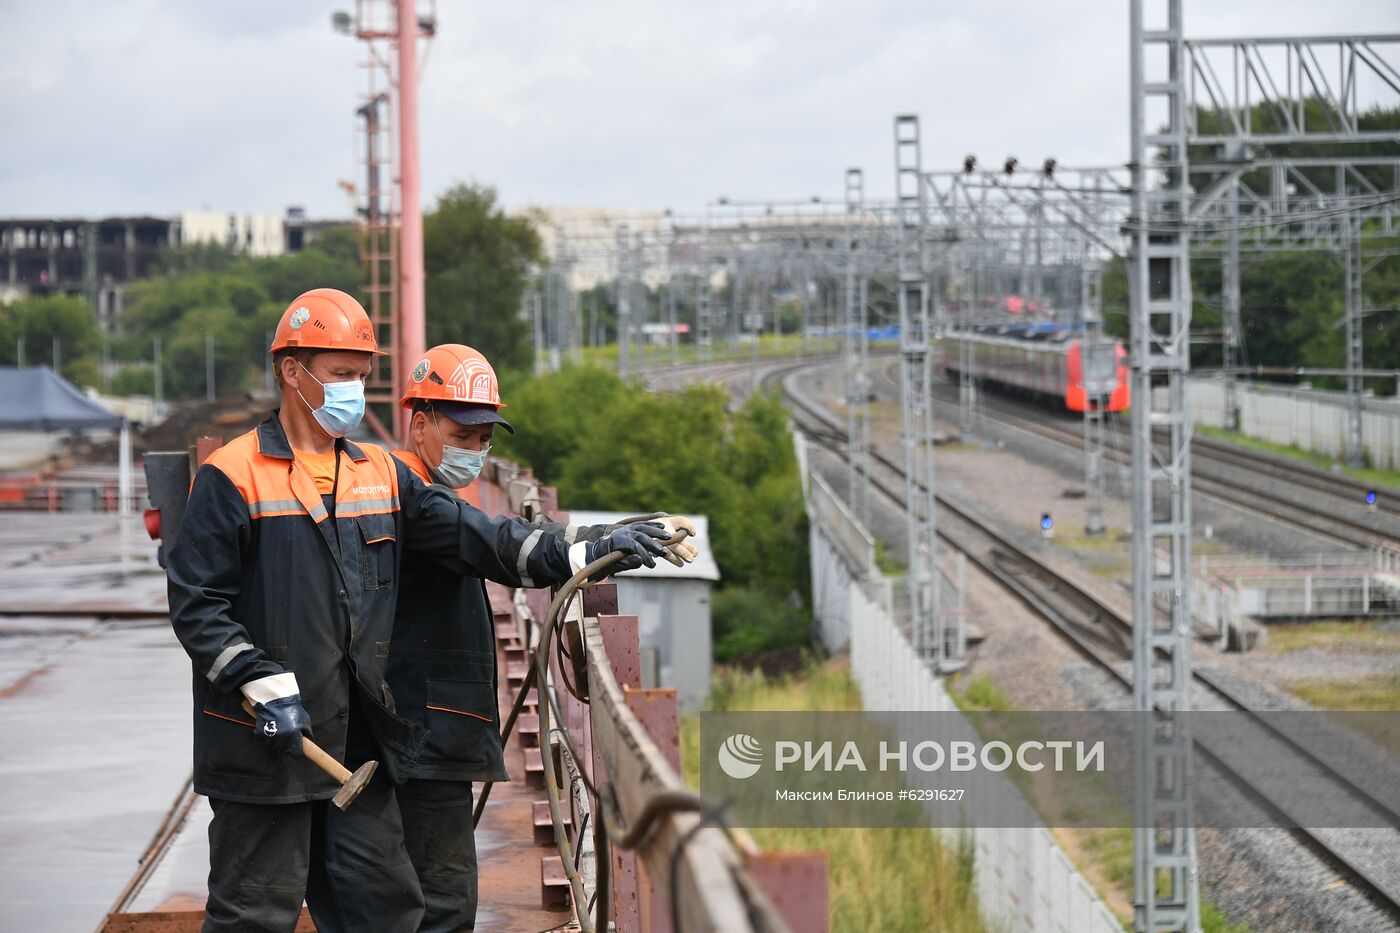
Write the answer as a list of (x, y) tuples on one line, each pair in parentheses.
[(225, 656), (526, 550)]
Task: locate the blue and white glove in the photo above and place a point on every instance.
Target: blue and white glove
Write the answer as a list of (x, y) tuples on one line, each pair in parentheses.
[(640, 542), (281, 719)]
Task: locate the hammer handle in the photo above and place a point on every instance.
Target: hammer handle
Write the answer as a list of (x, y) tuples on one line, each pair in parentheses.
[(315, 753)]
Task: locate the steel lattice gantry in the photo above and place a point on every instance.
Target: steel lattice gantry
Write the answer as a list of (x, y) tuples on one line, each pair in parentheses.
[(916, 393), (1159, 290), (1347, 206), (1047, 233), (1255, 93)]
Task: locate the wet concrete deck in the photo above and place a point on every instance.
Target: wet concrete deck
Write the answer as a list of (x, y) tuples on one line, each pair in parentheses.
[(95, 741)]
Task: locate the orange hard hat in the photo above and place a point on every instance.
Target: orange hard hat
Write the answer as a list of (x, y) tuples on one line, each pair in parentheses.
[(451, 372), (325, 319)]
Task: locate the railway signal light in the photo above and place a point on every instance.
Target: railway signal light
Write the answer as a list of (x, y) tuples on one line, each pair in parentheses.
[(1371, 499), (1047, 525)]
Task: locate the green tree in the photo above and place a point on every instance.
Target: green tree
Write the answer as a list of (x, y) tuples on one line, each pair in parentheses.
[(476, 259), (184, 352), (38, 320)]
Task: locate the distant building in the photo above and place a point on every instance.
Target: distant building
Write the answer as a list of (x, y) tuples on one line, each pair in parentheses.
[(249, 234), (97, 259), (591, 236), (672, 606)]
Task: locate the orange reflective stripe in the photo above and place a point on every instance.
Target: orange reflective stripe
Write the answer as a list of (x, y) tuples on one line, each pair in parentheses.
[(228, 718), (459, 712)]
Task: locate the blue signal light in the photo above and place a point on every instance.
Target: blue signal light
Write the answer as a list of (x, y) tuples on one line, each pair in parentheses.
[(1370, 497), (1046, 522)]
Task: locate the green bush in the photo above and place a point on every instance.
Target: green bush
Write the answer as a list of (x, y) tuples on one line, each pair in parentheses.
[(748, 621), (608, 445)]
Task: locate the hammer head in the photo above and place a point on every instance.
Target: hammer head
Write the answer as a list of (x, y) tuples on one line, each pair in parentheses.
[(354, 784)]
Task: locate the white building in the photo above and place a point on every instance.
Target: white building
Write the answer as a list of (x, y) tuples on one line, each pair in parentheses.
[(672, 606), (250, 234)]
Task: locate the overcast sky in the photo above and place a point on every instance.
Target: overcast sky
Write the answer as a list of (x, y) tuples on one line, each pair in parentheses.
[(127, 106)]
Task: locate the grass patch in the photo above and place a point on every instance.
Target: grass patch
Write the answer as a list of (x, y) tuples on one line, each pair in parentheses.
[(979, 695), (1372, 693), (1106, 543), (889, 565), (880, 879), (1368, 475), (1332, 635), (769, 347)]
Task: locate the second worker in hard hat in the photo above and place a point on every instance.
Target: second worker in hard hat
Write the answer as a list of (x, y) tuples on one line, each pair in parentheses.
[(283, 582), (442, 663)]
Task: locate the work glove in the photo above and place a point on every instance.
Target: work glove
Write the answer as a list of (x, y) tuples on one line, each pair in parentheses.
[(640, 542), (684, 551), (281, 719)]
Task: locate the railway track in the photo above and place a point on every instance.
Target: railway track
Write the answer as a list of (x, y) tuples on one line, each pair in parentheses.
[(1305, 498), (1370, 860)]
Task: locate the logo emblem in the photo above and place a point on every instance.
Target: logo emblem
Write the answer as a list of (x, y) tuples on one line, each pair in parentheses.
[(740, 756), (299, 317), (420, 372), (270, 728), (473, 381), (363, 331)]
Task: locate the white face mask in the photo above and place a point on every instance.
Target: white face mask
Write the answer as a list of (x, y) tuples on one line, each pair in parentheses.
[(459, 466), (343, 407)]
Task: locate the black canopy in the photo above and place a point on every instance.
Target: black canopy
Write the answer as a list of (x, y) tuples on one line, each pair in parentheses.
[(38, 399)]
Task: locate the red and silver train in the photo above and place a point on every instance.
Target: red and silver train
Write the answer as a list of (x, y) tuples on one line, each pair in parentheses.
[(1052, 366)]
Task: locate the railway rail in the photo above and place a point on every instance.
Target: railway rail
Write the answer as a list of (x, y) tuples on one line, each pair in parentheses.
[(1103, 635), (1305, 498)]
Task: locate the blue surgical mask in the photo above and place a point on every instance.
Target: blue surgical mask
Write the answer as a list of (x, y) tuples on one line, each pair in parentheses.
[(343, 408), (459, 466)]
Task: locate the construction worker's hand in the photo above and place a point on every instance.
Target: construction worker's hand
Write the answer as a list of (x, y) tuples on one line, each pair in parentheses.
[(684, 551), (640, 543), (280, 717)]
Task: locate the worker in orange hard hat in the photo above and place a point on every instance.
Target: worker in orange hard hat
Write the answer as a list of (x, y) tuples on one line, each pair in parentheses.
[(442, 659), (283, 584)]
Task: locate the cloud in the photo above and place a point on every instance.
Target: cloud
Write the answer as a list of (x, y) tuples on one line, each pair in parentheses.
[(140, 106)]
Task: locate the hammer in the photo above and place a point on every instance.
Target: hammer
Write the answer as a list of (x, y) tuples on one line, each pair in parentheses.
[(350, 784)]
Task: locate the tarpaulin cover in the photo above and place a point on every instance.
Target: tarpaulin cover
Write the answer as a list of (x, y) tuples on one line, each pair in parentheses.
[(38, 399)]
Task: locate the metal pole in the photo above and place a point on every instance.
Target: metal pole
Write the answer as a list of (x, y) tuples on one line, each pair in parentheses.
[(157, 370), (57, 352), (208, 367), (19, 352), (1355, 446), (124, 486), (413, 320), (1230, 282), (624, 301), (537, 318)]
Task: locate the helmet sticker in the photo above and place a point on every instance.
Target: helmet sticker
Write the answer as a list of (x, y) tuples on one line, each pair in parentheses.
[(420, 372), (363, 331), (473, 382), (299, 317)]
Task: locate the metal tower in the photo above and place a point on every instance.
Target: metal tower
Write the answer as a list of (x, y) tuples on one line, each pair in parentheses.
[(392, 247), (1355, 312), (704, 332), (856, 345), (624, 301), (1164, 876), (1099, 365), (916, 393)]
